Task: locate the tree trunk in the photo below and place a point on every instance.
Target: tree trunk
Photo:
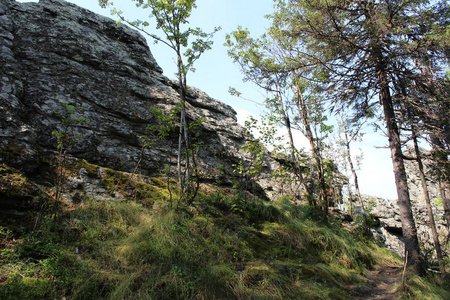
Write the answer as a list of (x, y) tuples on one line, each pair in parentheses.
[(444, 184), (444, 187), (303, 112), (412, 249), (180, 124), (183, 179), (355, 180), (406, 216), (426, 194), (297, 168)]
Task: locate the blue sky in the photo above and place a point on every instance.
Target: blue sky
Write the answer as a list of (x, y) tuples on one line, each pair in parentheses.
[(216, 73)]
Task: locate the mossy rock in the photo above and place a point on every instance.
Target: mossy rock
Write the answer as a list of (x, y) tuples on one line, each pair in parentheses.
[(34, 164), (19, 197)]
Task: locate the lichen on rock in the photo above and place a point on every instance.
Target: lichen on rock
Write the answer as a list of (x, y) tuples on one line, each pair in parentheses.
[(56, 54)]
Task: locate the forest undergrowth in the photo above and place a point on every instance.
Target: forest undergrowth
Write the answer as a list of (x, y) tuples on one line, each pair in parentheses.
[(226, 245)]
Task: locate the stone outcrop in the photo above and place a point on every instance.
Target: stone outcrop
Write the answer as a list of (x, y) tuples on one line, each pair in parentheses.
[(66, 69), (68, 72), (388, 227)]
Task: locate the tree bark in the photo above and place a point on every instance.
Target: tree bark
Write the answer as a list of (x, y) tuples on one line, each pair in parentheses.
[(355, 180), (409, 230), (426, 194)]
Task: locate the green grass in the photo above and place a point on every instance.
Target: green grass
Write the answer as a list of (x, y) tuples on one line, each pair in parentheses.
[(225, 246), (431, 287), (219, 250)]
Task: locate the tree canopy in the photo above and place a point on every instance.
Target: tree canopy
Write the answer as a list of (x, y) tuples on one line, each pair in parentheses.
[(371, 57)]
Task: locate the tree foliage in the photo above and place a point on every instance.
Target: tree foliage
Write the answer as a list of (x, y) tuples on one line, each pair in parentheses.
[(367, 56), (292, 100), (172, 18)]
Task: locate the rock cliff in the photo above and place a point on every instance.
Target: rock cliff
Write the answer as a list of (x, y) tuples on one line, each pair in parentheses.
[(66, 69), (388, 225), (67, 72)]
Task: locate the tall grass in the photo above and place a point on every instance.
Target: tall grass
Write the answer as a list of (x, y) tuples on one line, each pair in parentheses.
[(224, 247)]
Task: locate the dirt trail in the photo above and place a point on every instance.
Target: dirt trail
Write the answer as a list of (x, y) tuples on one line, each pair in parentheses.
[(382, 284)]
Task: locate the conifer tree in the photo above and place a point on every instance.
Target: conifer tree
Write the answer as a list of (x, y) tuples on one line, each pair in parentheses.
[(356, 52), (359, 47)]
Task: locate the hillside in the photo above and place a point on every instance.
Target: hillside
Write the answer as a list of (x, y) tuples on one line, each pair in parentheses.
[(90, 209), (227, 245)]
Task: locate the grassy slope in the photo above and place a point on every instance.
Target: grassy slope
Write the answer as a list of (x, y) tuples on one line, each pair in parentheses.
[(223, 247)]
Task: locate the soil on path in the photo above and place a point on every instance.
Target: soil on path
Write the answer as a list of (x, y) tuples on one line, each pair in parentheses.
[(383, 282)]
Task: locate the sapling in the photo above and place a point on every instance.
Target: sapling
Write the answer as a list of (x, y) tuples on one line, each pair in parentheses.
[(188, 45), (65, 139)]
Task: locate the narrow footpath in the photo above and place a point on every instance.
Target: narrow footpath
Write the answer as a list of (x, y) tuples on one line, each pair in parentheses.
[(383, 282)]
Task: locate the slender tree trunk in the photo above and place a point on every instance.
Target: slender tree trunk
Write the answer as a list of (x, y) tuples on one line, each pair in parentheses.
[(355, 181), (303, 111), (437, 144), (180, 148), (444, 184), (297, 168), (445, 195), (406, 216), (426, 194), (183, 179), (186, 131), (180, 124), (186, 143)]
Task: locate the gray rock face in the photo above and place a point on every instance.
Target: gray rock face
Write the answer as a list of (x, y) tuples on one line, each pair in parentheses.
[(66, 69), (386, 211), (389, 229)]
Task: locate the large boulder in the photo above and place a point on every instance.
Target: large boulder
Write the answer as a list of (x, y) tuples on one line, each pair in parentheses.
[(70, 74), (67, 70)]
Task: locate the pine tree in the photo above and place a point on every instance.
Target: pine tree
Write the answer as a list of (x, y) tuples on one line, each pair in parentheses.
[(358, 48)]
